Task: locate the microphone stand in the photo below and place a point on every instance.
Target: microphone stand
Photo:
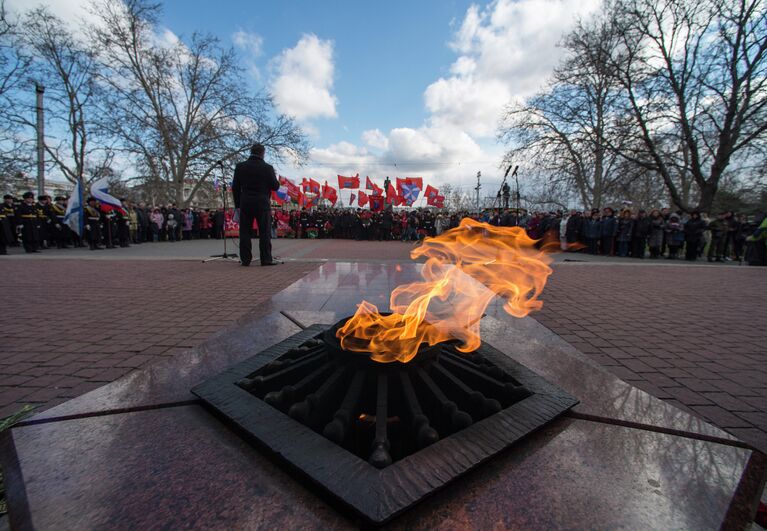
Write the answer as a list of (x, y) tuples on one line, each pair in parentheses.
[(231, 257)]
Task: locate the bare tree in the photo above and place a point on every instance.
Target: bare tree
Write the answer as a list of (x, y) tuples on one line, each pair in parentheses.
[(181, 107), (694, 76), (568, 130), (14, 66), (66, 66)]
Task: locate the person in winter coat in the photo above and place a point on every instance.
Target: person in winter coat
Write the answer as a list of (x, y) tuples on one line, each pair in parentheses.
[(608, 229), (641, 231), (188, 223), (574, 227), (674, 235), (592, 231), (204, 225), (625, 232), (693, 234), (157, 220), (719, 229), (756, 251), (739, 237), (655, 238)]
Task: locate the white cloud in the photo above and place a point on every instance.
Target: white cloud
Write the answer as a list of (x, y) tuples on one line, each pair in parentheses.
[(249, 42), (375, 138), (303, 83), (251, 45), (70, 11), (506, 51)]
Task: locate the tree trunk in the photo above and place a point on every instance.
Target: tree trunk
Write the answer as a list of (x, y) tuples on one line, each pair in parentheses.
[(707, 194)]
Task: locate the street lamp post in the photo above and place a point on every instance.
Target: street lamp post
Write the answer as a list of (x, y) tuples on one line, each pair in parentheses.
[(39, 90)]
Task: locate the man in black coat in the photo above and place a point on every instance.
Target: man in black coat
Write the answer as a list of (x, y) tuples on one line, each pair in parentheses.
[(254, 181)]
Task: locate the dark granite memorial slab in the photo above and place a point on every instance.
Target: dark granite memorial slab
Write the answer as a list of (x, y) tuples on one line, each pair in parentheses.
[(180, 468), (379, 495), (639, 463), (172, 468)]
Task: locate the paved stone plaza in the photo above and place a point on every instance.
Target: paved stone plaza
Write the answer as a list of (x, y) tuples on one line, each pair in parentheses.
[(692, 335)]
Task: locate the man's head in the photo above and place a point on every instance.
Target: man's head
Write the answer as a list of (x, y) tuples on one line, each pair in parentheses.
[(258, 150), (29, 197)]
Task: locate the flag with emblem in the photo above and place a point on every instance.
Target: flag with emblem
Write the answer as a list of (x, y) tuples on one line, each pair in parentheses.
[(349, 182)]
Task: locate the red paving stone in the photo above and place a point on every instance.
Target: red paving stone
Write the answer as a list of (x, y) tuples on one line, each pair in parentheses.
[(694, 336), (74, 325)]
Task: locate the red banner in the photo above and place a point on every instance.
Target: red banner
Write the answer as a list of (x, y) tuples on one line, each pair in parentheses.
[(349, 182), (294, 191), (329, 193)]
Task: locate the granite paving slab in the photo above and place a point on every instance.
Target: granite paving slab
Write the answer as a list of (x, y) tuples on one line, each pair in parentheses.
[(179, 467)]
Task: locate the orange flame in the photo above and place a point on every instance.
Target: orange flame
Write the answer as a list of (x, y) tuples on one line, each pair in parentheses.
[(465, 268)]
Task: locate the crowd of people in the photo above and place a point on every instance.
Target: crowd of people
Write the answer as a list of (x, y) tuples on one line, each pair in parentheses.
[(39, 224)]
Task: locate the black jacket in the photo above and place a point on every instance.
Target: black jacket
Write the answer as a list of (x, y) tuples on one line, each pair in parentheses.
[(253, 178)]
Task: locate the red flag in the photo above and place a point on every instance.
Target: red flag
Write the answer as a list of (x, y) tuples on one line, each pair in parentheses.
[(377, 190), (399, 200), (329, 193), (376, 203), (412, 181), (293, 190), (417, 181), (369, 185), (430, 191), (349, 182), (351, 199), (311, 186), (435, 200), (363, 199), (391, 192), (439, 201)]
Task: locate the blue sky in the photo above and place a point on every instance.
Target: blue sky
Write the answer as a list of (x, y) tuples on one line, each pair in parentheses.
[(387, 51), (386, 88)]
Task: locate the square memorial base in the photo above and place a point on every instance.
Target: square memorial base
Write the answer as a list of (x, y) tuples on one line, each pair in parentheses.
[(378, 495)]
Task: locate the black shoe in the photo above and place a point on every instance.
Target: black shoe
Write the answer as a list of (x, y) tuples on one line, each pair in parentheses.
[(244, 264), (273, 262)]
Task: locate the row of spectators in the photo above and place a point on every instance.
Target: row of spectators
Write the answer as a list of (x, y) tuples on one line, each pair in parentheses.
[(637, 234)]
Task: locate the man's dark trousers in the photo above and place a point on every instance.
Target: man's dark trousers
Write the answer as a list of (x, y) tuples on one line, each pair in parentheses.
[(258, 208)]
